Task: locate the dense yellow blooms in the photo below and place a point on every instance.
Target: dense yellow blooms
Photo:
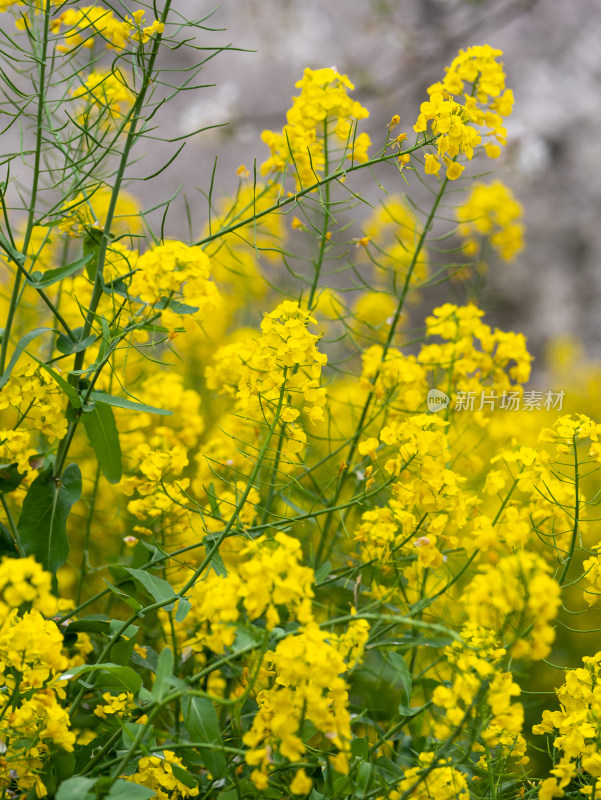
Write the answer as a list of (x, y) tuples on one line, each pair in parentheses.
[(472, 355), (333, 530), (32, 412), (86, 25), (442, 781), (577, 731), (156, 772), (471, 96), (279, 369), (491, 211), (322, 108), (478, 678), (269, 577), (106, 99), (517, 598), (33, 721), (308, 684)]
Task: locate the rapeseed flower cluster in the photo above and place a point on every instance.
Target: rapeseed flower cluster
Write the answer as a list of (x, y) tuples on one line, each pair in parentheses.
[(276, 373), (442, 780), (308, 685), (491, 212), (32, 413), (471, 96), (478, 679), (268, 579), (156, 772), (33, 720), (306, 577), (518, 598), (86, 25), (577, 732), (322, 108), (105, 100)]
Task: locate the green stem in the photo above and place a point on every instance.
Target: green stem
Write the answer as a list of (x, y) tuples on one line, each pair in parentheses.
[(105, 236), (198, 572), (293, 199), (13, 528), (34, 186), (324, 547), (576, 516), (83, 568)]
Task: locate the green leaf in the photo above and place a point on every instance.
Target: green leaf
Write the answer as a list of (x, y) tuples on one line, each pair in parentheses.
[(7, 544), (64, 765), (216, 563), (17, 257), (67, 346), (160, 590), (69, 390), (52, 276), (77, 788), (42, 525), (121, 402), (200, 719), (117, 675), (106, 339), (184, 776), (173, 305), (364, 779), (131, 601), (122, 650), (126, 790), (164, 671), (20, 348), (91, 248), (323, 572), (183, 607), (10, 478), (398, 662), (104, 438), (95, 623), (360, 748)]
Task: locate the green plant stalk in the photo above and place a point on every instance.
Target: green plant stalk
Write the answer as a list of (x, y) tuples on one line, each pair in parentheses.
[(13, 528), (34, 186), (255, 529), (131, 137), (83, 567), (324, 546), (316, 275), (198, 572), (293, 199), (566, 567)]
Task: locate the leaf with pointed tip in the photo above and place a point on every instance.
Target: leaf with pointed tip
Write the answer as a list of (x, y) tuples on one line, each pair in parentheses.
[(158, 588), (200, 719), (112, 675), (104, 438), (122, 402), (20, 348), (52, 276), (42, 525)]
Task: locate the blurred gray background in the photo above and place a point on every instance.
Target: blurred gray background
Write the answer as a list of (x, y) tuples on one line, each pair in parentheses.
[(392, 50)]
